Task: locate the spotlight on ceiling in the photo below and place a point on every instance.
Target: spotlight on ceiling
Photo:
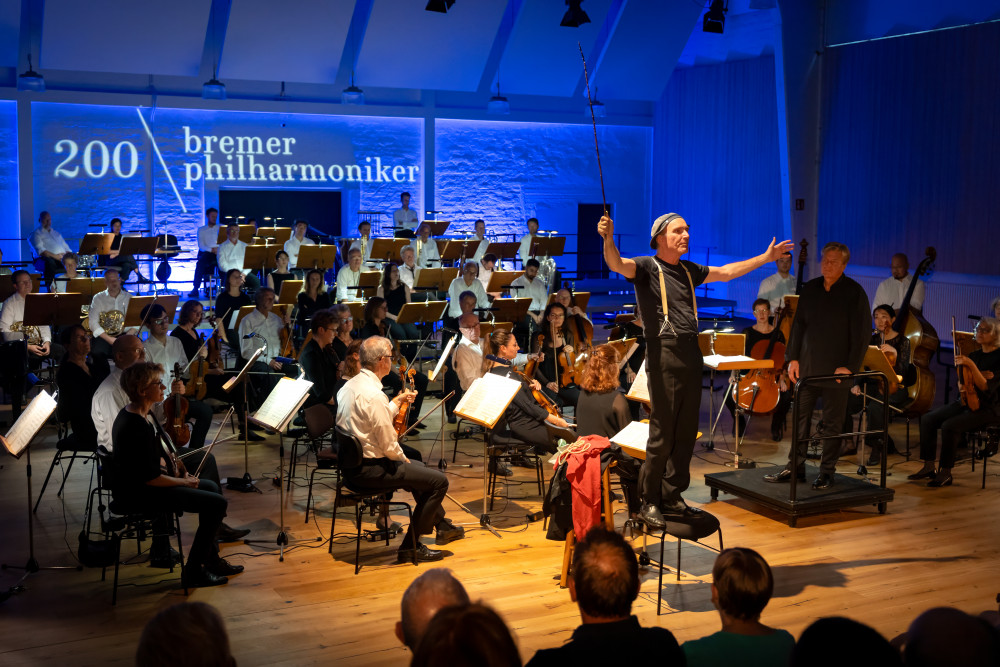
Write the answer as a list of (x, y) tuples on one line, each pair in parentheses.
[(440, 6), (213, 89), (352, 94), (31, 80), (574, 16), (498, 105), (715, 18)]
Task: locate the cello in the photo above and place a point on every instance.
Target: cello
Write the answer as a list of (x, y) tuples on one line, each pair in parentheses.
[(760, 389), (924, 342)]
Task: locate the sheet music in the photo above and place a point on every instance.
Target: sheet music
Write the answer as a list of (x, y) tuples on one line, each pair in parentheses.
[(282, 403), (487, 398), (444, 357), (639, 391), (714, 360), (24, 429), (634, 436)]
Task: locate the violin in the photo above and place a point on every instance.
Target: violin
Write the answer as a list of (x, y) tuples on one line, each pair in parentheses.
[(528, 374), (175, 411), (196, 386), (967, 386), (287, 345), (402, 417)]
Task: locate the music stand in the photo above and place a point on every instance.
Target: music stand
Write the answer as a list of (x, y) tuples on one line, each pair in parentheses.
[(319, 256), (875, 360), (737, 362), (289, 291), (548, 246), (511, 309), (580, 300), (438, 227), (246, 233), (504, 250), (277, 235), (501, 280), (243, 312), (367, 284), (16, 442), (245, 484), (435, 280), (456, 250), (96, 244), (260, 257), (357, 311), (421, 311), (53, 309), (387, 249), (486, 328), (86, 286), (133, 313), (7, 286)]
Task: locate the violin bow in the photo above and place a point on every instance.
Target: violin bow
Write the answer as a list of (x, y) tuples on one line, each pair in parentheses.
[(593, 120)]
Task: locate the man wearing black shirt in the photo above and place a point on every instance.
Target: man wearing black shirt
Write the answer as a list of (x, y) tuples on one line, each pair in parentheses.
[(829, 336), (664, 288)]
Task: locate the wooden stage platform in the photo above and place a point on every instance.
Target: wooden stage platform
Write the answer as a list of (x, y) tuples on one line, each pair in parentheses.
[(933, 547)]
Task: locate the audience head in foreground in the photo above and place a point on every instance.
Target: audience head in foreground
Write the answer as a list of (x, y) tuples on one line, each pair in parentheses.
[(471, 635), (837, 641), (432, 591), (192, 634), (948, 636)]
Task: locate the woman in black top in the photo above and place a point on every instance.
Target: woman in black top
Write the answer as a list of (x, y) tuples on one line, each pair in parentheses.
[(126, 263), (396, 294), (603, 410), (345, 330), (524, 418), (320, 363), (77, 383), (149, 478), (557, 346), (280, 273), (312, 297), (982, 368), (896, 348), (228, 305), (763, 330)]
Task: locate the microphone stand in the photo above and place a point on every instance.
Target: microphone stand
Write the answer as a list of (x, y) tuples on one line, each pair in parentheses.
[(245, 483)]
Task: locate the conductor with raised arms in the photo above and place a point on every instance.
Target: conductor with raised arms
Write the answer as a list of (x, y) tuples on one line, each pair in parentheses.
[(664, 287)]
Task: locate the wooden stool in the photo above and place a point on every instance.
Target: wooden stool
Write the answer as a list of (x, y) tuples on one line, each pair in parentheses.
[(608, 510)]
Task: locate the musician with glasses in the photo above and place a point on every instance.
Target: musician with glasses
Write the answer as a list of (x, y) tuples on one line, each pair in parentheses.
[(107, 317), (70, 263), (344, 330)]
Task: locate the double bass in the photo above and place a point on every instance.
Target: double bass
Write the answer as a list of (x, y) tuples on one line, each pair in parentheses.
[(788, 306), (924, 342)]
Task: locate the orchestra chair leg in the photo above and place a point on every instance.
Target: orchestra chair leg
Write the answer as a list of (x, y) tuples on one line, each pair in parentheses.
[(607, 518)]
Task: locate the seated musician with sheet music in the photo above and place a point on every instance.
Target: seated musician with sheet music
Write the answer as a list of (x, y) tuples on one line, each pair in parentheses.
[(486, 266), (377, 324), (530, 286), (396, 294), (484, 243), (281, 272), (426, 249), (107, 317), (345, 334), (311, 298), (557, 356), (896, 348), (126, 263), (231, 255), (70, 262), (526, 252), (262, 329), (148, 477), (982, 369), (366, 412), (467, 282), (294, 242), (408, 270), (48, 246), (227, 305), (524, 418), (349, 276)]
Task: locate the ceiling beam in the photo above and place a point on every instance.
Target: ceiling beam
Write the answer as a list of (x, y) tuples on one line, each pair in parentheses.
[(604, 38), (215, 38), (352, 45), (491, 70)]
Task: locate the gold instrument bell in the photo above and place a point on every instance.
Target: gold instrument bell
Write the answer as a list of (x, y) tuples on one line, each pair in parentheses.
[(112, 321), (30, 332)]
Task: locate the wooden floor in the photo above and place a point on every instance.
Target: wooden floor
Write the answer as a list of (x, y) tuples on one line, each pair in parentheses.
[(933, 547)]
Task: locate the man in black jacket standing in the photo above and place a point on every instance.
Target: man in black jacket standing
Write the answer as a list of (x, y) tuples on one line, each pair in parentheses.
[(829, 336)]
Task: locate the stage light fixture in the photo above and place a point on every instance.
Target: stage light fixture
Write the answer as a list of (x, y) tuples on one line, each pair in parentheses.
[(31, 80), (715, 18), (574, 16), (441, 6), (213, 89), (352, 94), (498, 105)]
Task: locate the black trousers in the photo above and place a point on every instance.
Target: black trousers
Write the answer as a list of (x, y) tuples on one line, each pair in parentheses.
[(427, 485), (49, 268), (206, 501), (876, 415), (834, 407), (952, 421), (673, 372), (204, 268)]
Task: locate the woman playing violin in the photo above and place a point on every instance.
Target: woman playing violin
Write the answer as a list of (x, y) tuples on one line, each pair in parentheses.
[(557, 349)]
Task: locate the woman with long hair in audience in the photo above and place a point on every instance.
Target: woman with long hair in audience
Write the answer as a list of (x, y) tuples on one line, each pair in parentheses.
[(524, 417), (557, 348), (312, 297)]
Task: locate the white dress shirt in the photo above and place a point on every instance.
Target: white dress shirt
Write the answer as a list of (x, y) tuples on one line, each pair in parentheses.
[(405, 218), (13, 311), (231, 257), (48, 240), (468, 358), (484, 276), (774, 288), (455, 291), (426, 252), (524, 252), (408, 274), (365, 411), (347, 278), (531, 288), (166, 354), (109, 399), (480, 250), (208, 237), (365, 246), (292, 246), (892, 292), (60, 282), (268, 329), (102, 303)]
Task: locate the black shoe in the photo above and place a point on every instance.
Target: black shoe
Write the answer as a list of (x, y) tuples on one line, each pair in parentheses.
[(202, 578), (252, 437), (165, 561), (193, 294), (777, 433), (448, 532), (224, 568), (256, 427), (452, 419), (824, 481), (675, 508), (142, 279), (922, 474), (874, 458), (424, 555), (940, 479), (421, 425), (785, 475), (227, 533), (394, 526), (500, 469), (652, 517), (521, 461)]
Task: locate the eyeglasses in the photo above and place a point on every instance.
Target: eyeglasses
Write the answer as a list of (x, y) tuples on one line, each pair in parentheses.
[(159, 321)]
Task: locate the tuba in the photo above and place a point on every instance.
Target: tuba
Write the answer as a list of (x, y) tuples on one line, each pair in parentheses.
[(112, 321), (30, 332)]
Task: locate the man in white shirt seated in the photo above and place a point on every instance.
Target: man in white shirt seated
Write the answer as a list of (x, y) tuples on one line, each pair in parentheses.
[(231, 254), (404, 219), (426, 248), (49, 247), (262, 329), (366, 412), (108, 308), (349, 276), (526, 251), (531, 286), (483, 241), (486, 266), (39, 345), (296, 241), (775, 287), (364, 243), (466, 282), (468, 355), (208, 247), (892, 290), (69, 261), (408, 270), (110, 399)]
